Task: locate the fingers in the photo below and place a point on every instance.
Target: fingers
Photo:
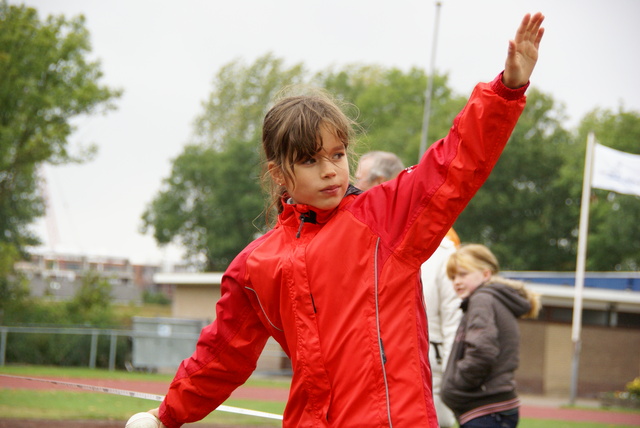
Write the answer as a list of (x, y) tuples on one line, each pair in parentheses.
[(538, 37), (522, 29), (522, 54), (536, 43), (536, 31), (156, 412), (529, 34), (530, 29), (511, 52)]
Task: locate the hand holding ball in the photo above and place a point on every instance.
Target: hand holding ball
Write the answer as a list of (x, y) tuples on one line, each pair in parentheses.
[(143, 420)]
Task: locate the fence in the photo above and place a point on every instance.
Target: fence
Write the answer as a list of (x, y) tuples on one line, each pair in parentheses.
[(95, 333), (272, 360)]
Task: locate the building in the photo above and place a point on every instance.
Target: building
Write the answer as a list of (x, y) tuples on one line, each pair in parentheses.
[(58, 276), (194, 296), (610, 354), (610, 333)]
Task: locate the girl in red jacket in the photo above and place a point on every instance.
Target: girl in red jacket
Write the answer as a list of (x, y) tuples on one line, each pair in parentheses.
[(336, 281)]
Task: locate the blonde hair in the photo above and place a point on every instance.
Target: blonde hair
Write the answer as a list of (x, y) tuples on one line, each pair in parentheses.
[(291, 134), (477, 257)]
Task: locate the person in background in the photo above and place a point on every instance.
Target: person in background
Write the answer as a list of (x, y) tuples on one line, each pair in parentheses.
[(442, 302), (377, 167), (478, 383), (443, 317)]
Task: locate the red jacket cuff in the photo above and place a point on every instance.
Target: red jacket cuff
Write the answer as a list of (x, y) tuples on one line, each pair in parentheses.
[(507, 93), (166, 418)]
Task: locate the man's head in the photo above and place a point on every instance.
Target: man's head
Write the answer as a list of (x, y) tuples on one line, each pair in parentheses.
[(377, 167)]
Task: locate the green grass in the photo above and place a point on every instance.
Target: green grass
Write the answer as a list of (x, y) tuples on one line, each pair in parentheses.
[(82, 372), (87, 373), (146, 310), (68, 405), (63, 405)]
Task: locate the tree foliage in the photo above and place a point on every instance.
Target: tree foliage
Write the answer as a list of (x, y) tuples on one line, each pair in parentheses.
[(91, 306), (521, 211), (92, 302), (45, 81), (239, 100), (390, 106), (209, 203), (212, 202), (527, 212)]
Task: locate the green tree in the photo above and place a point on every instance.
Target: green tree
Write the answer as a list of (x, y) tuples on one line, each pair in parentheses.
[(14, 290), (522, 211), (90, 306), (45, 81), (389, 105), (92, 302), (209, 203), (240, 98), (212, 201), (527, 212)]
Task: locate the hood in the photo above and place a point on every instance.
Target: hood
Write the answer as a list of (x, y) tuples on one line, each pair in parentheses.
[(511, 298)]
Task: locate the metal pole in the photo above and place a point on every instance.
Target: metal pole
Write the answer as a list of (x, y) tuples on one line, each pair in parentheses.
[(429, 92), (3, 345), (94, 349), (580, 267), (112, 351)]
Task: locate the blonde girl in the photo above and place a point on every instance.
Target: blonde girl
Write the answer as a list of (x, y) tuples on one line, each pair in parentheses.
[(478, 384)]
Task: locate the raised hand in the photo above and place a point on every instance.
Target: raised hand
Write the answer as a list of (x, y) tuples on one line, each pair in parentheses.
[(523, 51)]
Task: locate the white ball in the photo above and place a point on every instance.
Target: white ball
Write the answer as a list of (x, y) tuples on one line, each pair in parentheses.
[(143, 420)]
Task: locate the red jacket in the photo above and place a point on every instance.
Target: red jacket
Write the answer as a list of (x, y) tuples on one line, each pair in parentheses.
[(341, 292)]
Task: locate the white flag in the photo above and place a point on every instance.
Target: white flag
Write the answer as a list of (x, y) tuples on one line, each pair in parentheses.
[(615, 170)]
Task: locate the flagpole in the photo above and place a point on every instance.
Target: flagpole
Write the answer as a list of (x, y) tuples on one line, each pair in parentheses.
[(429, 92), (580, 267)]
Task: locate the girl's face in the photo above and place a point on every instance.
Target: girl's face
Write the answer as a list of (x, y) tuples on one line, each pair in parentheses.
[(322, 180), (467, 281)]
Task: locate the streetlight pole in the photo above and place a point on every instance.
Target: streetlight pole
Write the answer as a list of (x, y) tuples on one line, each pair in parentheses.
[(429, 92)]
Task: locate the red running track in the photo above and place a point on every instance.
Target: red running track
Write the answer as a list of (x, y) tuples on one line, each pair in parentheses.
[(528, 410)]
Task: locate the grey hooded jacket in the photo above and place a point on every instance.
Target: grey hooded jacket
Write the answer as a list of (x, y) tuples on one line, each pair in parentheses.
[(484, 357)]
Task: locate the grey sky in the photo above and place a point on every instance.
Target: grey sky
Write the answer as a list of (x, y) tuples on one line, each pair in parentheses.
[(164, 55)]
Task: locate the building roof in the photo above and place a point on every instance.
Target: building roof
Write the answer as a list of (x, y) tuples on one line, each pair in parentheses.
[(555, 293), (608, 280), (188, 278), (592, 298)]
